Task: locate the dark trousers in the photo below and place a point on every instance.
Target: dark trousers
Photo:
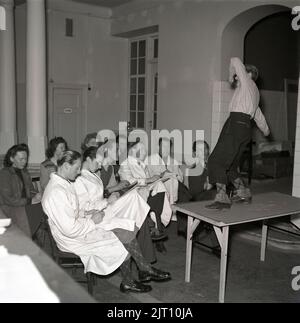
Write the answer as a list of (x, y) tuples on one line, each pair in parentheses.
[(156, 204), (145, 242), (224, 161), (184, 196), (144, 239)]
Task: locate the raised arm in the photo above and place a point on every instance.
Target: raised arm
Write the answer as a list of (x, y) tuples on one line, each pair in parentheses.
[(238, 68)]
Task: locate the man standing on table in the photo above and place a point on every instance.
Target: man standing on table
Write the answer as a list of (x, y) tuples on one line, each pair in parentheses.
[(235, 135)]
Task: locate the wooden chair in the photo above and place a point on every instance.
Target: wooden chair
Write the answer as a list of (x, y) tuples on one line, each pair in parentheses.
[(70, 261)]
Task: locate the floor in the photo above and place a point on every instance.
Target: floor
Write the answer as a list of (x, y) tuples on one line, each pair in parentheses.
[(248, 279)]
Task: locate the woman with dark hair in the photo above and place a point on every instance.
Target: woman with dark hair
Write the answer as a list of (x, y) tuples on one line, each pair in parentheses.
[(86, 234), (55, 150), (89, 141), (16, 189)]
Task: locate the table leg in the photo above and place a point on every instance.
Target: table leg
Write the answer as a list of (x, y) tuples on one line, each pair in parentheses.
[(264, 234), (224, 249), (191, 227)]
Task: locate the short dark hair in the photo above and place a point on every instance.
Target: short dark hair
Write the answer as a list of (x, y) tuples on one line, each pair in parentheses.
[(89, 152), (253, 70), (70, 157), (11, 153), (86, 140), (54, 142)]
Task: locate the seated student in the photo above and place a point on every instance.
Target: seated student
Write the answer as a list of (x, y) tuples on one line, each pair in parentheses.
[(127, 212), (163, 165), (16, 189), (106, 155), (89, 141), (107, 172), (197, 182), (101, 250), (55, 150), (134, 169)]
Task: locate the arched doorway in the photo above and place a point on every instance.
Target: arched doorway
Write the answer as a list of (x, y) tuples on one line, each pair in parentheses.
[(2, 18), (234, 36), (272, 46), (232, 44), (240, 38)]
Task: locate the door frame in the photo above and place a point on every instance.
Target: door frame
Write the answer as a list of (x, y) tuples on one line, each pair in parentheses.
[(51, 88), (287, 84), (149, 85)]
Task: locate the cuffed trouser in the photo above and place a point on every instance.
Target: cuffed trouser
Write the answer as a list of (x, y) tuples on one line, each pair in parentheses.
[(224, 160), (145, 242)]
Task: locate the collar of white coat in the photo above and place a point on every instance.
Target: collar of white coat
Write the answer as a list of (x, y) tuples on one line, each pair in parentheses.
[(89, 175), (56, 178)]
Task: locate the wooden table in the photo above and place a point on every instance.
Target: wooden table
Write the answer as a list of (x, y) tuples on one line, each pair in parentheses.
[(263, 207), (66, 289)]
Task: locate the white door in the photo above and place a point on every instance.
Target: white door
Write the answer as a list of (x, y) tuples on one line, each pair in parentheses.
[(67, 115)]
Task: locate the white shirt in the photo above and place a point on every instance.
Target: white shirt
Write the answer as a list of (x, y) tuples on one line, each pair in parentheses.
[(246, 96)]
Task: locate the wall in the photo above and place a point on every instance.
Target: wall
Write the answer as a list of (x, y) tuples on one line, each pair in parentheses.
[(92, 57), (190, 34), (20, 32)]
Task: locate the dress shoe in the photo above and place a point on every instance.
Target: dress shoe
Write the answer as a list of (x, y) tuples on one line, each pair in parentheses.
[(155, 275), (135, 287), (218, 206)]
